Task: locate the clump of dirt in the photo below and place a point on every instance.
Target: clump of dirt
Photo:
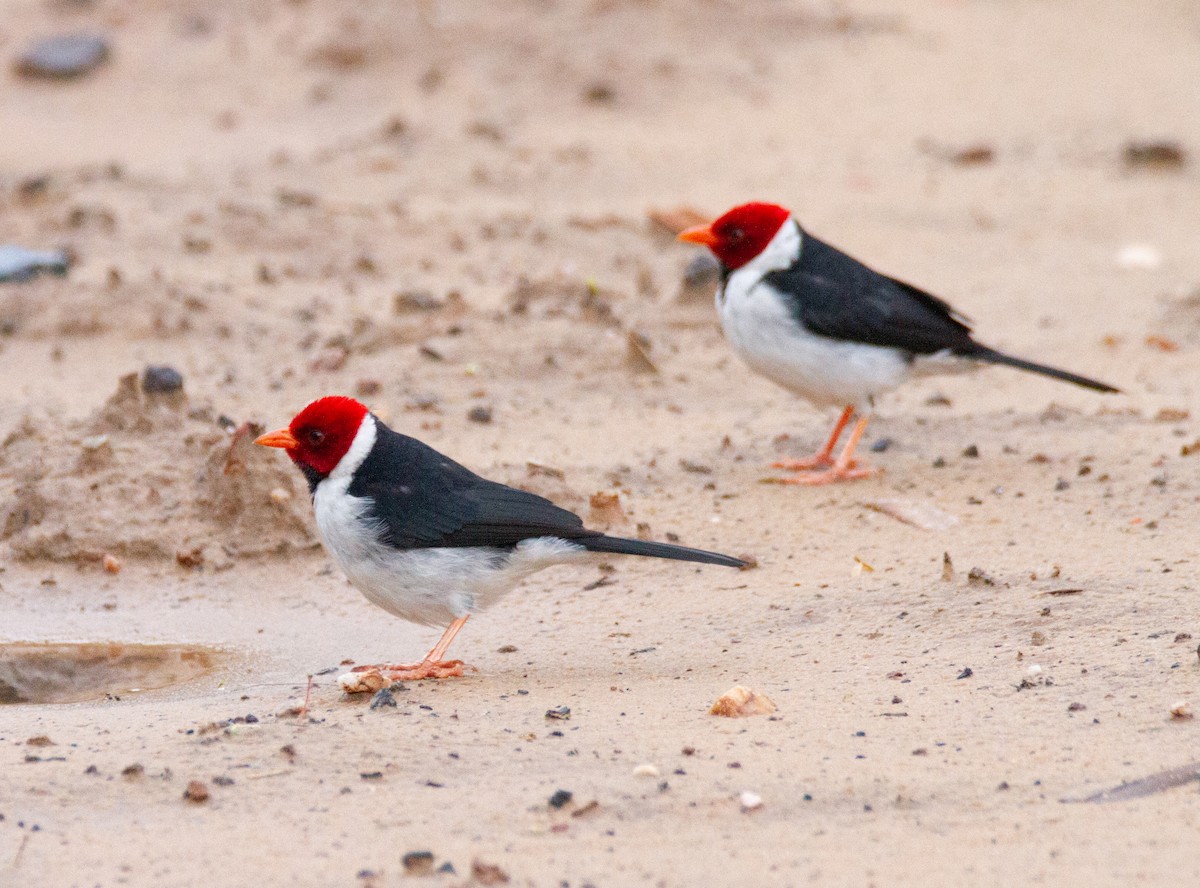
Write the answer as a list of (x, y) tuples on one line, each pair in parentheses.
[(147, 476)]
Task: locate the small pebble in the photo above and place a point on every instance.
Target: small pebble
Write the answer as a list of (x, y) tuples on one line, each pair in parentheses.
[(480, 414), (383, 697), (111, 563), (64, 57), (196, 791), (560, 798), (161, 380), (751, 801), (1182, 711), (561, 713), (18, 264), (418, 863), (645, 771)]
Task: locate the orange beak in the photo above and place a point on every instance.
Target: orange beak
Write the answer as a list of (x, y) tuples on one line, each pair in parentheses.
[(282, 438), (699, 234)]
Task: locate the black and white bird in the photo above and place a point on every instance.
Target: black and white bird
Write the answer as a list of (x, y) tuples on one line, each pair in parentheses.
[(425, 538), (823, 325)]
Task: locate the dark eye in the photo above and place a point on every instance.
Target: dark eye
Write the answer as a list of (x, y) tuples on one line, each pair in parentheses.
[(736, 234), (316, 437)]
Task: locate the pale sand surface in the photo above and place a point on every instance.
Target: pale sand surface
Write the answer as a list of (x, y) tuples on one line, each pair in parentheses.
[(246, 186)]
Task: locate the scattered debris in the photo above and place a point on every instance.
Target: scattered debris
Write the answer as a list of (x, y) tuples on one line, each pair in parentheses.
[(645, 771), (18, 264), (367, 681), (64, 57), (977, 576), (1154, 155), (507, 649), (923, 515), (1144, 786), (196, 791), (947, 568), (741, 702), (559, 713), (383, 698), (480, 414), (966, 673), (417, 863), (111, 563), (586, 810), (413, 301), (750, 801), (1161, 343), (606, 508), (488, 873), (1181, 710), (560, 798), (637, 354), (974, 154), (1038, 638), (134, 770), (861, 567), (40, 741)]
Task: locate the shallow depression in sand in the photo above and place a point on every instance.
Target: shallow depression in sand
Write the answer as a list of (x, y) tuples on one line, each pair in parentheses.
[(74, 673)]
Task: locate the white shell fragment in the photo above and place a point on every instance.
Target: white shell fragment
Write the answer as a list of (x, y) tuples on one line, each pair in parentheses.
[(361, 682), (740, 702), (645, 771), (922, 515), (751, 801)]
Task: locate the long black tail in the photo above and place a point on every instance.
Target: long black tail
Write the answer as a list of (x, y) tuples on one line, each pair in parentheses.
[(656, 550), (983, 353)]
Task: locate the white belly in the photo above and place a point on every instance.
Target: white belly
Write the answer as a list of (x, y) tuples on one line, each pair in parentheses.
[(827, 372), (429, 586)]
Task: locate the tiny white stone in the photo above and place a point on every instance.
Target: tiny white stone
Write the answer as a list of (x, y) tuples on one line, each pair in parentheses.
[(1034, 671), (645, 771), (750, 800), (1141, 257)]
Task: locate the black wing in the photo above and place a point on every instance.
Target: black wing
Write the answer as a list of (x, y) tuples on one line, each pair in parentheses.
[(422, 499), (835, 295)]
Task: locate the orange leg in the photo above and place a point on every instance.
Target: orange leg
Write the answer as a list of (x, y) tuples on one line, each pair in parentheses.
[(845, 469), (432, 666), (823, 457)]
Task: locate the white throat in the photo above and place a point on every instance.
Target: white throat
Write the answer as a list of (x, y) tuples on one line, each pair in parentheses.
[(364, 440)]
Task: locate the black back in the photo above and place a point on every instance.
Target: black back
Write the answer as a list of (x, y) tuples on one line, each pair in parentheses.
[(422, 499), (835, 295)]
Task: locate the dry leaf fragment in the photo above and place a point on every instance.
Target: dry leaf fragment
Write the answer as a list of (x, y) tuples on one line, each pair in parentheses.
[(637, 354), (922, 515), (741, 702)]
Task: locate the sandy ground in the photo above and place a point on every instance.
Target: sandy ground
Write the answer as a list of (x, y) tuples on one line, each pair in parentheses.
[(247, 187)]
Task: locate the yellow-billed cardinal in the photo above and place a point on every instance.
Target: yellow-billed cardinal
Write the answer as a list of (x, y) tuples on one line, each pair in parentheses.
[(823, 325), (425, 538)]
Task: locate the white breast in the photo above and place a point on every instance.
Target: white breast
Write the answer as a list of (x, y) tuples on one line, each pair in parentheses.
[(761, 329), (430, 586)]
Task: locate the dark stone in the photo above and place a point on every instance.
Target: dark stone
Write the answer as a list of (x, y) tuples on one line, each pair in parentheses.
[(382, 698), (18, 264), (161, 380), (560, 798), (480, 414), (64, 57)]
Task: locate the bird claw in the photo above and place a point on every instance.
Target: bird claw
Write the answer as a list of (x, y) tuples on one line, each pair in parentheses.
[(369, 679), (829, 476), (816, 461)]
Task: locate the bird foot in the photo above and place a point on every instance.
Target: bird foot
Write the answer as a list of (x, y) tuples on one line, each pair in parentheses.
[(829, 476), (816, 461), (368, 679)]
